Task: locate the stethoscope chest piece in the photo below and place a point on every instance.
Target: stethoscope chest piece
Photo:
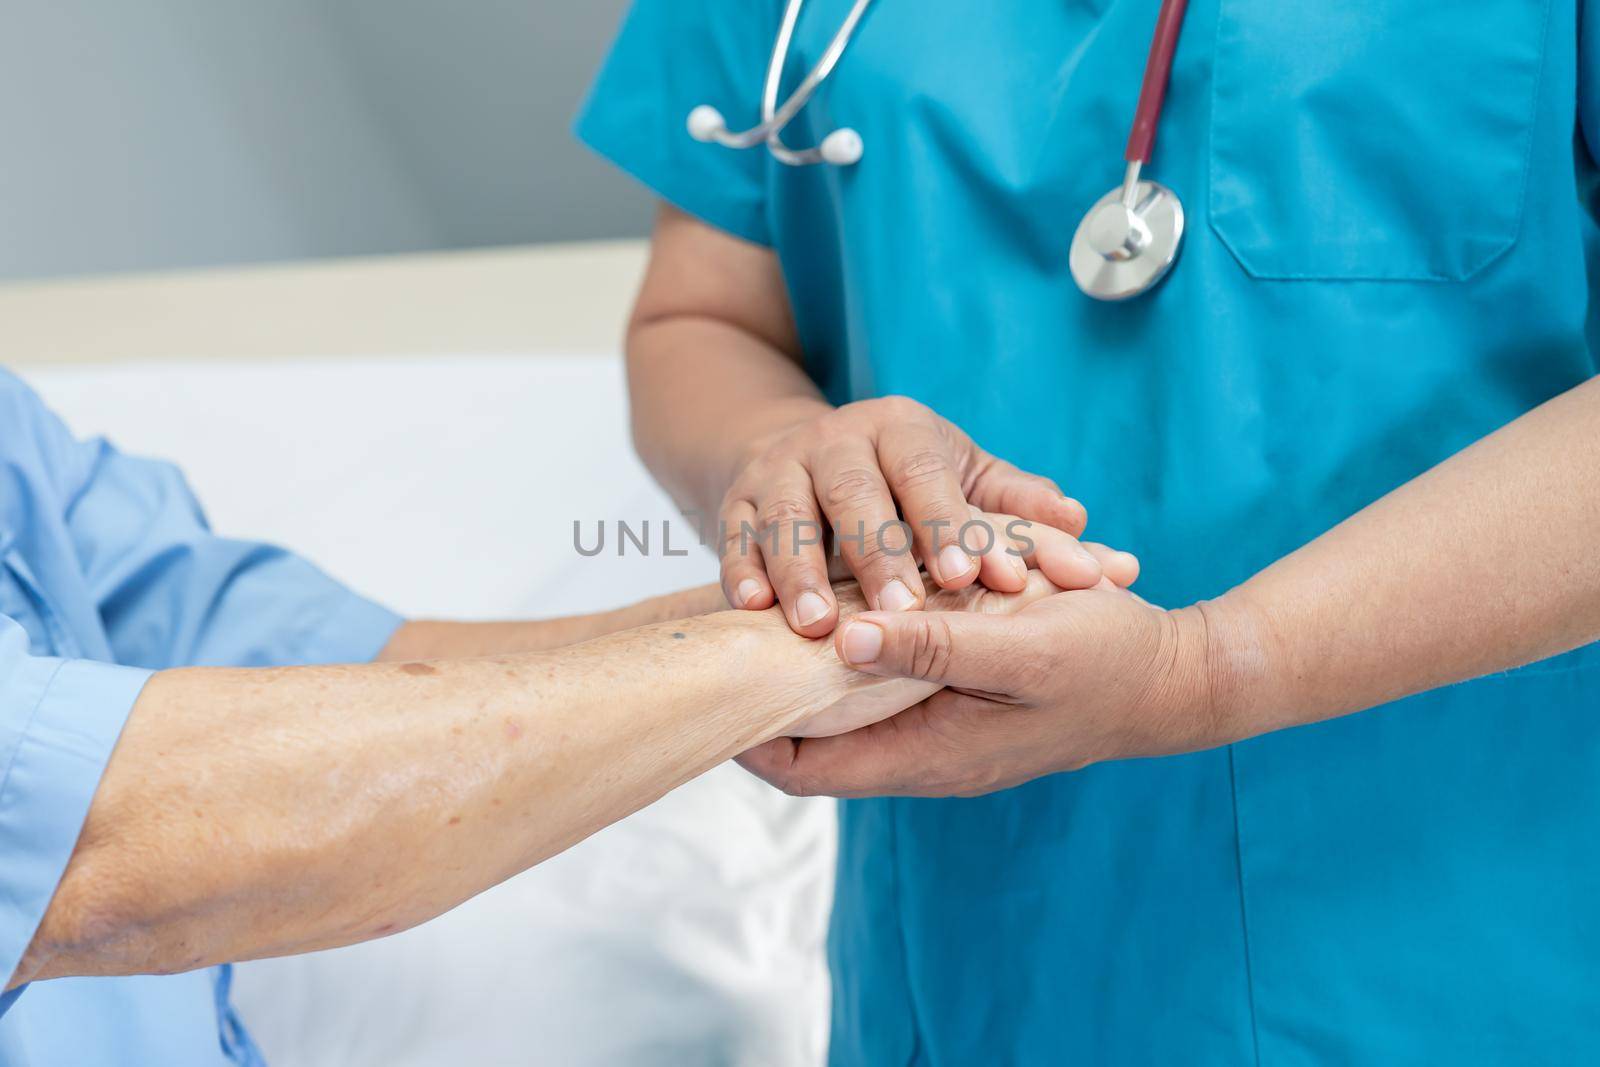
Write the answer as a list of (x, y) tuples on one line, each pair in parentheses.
[(1127, 243), (1123, 247)]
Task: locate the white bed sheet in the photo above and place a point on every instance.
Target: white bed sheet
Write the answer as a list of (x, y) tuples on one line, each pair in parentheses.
[(688, 934)]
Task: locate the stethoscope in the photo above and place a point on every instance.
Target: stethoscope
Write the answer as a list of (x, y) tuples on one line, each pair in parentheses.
[(1125, 244)]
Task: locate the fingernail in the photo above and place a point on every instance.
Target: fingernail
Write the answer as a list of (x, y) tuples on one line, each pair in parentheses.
[(862, 643), (896, 597), (1085, 554), (809, 608), (953, 563), (1018, 565), (747, 591)]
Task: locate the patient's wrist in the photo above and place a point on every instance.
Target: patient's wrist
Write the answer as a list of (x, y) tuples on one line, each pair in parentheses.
[(757, 669)]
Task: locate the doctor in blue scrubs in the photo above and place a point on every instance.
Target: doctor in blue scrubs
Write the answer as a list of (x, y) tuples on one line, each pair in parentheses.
[(1351, 436)]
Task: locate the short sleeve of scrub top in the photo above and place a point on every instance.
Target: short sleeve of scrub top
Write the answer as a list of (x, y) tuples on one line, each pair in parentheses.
[(110, 573), (670, 57)]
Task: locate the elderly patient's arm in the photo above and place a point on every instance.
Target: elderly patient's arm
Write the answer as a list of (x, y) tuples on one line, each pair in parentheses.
[(424, 639), (250, 813)]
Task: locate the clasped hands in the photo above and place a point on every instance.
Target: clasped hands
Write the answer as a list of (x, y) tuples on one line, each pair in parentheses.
[(1069, 669)]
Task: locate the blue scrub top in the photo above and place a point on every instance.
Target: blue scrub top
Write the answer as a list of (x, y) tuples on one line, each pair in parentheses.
[(1390, 255), (108, 572)]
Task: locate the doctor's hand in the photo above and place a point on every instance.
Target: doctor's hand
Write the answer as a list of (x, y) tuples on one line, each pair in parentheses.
[(872, 699), (1074, 679), (857, 471)]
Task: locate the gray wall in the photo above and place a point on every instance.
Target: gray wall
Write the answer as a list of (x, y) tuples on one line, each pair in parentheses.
[(181, 133)]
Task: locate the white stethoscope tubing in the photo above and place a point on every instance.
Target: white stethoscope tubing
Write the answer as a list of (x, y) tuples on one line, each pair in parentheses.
[(842, 147)]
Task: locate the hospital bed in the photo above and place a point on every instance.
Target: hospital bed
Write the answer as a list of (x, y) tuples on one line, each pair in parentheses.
[(429, 429)]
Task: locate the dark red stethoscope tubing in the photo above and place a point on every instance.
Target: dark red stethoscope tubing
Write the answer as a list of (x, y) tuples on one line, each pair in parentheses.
[(1157, 71)]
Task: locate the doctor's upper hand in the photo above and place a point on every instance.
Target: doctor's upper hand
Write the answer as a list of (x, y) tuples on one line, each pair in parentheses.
[(1074, 679), (726, 417), (897, 485)]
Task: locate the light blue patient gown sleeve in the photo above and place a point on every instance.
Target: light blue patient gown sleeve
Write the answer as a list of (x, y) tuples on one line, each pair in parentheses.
[(171, 593), (59, 719), (670, 57), (109, 571)]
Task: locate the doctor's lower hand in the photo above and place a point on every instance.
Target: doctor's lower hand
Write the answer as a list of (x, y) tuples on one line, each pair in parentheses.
[(858, 471), (1077, 678), (867, 699)]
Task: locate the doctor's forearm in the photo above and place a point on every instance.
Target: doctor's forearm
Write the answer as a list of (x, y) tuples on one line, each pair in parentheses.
[(702, 396), (249, 813), (1484, 563), (713, 361)]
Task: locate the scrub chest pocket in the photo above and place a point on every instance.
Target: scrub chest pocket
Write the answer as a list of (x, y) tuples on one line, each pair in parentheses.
[(1386, 140)]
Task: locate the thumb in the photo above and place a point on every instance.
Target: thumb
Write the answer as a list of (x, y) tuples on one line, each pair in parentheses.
[(960, 649)]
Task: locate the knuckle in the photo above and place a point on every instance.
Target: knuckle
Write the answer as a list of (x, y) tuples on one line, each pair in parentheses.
[(929, 650), (735, 506), (755, 467), (978, 780), (1049, 484), (791, 575), (1035, 483), (786, 508), (875, 558), (827, 432), (919, 467), (739, 542), (938, 521), (900, 408), (794, 572), (734, 547), (853, 487)]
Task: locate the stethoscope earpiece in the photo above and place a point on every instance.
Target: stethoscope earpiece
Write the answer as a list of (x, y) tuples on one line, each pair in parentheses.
[(705, 123), (842, 147)]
